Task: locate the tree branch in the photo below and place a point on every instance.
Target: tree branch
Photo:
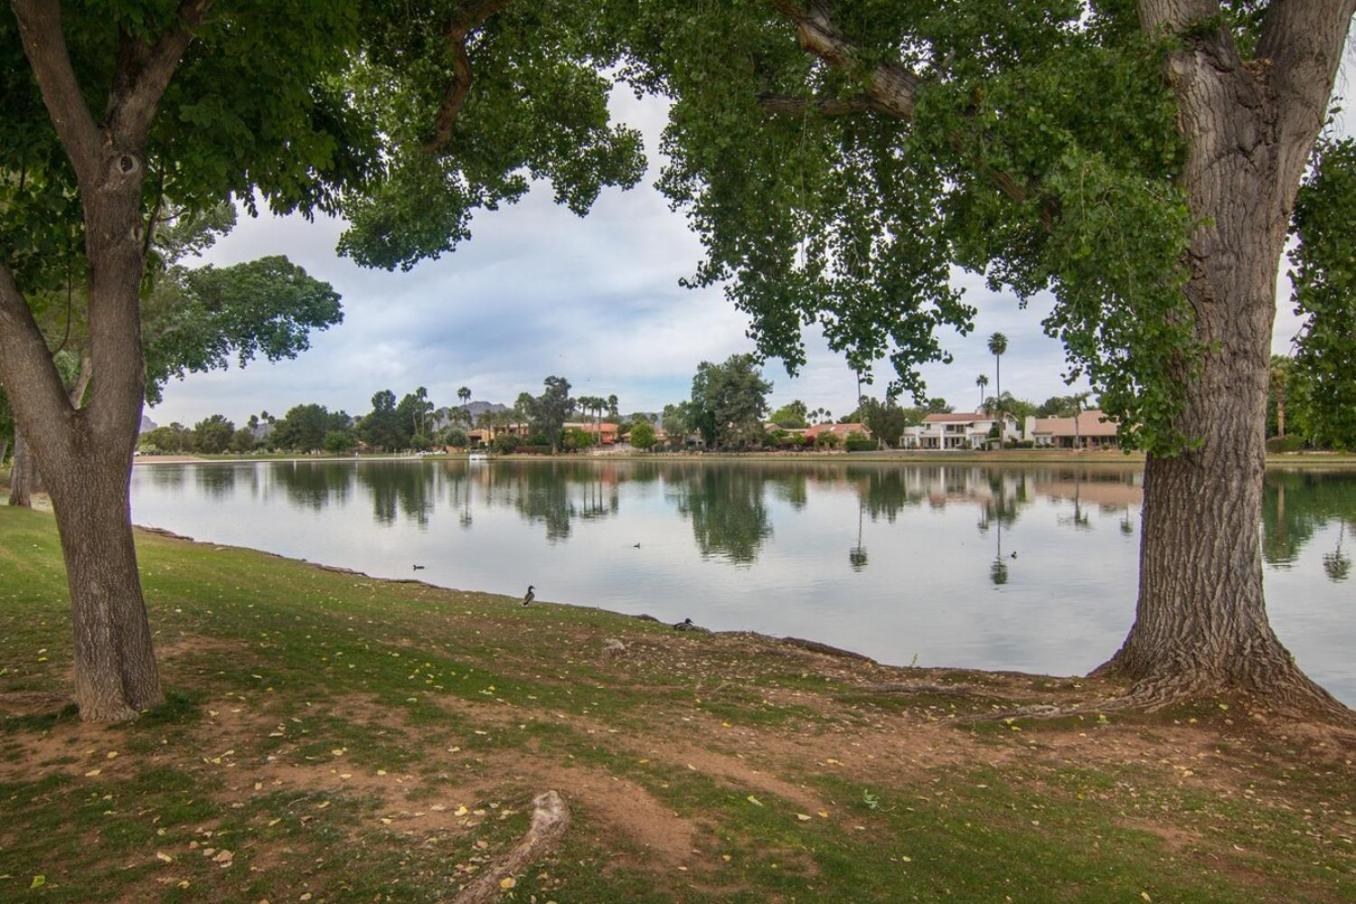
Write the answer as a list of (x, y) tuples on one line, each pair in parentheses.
[(891, 88), (144, 72), (35, 391), (1298, 54), (457, 33), (45, 46)]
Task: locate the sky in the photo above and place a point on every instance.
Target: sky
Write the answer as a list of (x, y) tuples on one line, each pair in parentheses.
[(538, 291)]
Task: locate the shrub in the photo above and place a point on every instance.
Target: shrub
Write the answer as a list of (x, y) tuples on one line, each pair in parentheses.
[(859, 442), (827, 440), (504, 443), (1285, 444)]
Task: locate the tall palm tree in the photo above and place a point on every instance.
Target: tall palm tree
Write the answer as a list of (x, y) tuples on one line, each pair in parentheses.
[(1079, 399), (998, 344), (464, 395), (981, 381), (612, 407)]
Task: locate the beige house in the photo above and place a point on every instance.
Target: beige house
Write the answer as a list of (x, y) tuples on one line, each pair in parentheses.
[(1090, 430)]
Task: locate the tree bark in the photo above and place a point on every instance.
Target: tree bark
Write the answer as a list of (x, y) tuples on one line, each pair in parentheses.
[(1201, 626), (115, 668), (21, 474)]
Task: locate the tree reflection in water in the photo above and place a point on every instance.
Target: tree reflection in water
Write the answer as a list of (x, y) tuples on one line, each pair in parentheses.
[(728, 505), (1295, 506), (314, 485), (728, 514)]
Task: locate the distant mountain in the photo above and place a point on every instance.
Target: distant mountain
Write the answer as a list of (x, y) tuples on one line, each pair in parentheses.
[(479, 408), (147, 425)]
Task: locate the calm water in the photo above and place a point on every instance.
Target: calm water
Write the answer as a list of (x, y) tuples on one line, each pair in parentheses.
[(1027, 568)]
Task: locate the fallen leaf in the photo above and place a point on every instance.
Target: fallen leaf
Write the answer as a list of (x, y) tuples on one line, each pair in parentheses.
[(753, 800), (38, 881), (507, 882)]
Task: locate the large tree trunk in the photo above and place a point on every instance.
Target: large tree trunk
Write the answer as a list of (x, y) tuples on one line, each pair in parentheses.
[(115, 669), (1201, 625)]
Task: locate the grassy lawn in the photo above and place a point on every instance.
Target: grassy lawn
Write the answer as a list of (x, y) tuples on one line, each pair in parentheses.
[(347, 739)]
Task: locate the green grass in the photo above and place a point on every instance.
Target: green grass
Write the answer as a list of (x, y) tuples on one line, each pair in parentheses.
[(325, 728)]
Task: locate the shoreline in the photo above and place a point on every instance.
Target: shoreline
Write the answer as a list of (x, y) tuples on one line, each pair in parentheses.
[(1300, 460)]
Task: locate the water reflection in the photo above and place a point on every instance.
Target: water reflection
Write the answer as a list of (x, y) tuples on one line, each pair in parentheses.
[(1299, 504), (1029, 568), (728, 508)]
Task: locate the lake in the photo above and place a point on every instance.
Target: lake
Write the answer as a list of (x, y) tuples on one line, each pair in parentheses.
[(1030, 568)]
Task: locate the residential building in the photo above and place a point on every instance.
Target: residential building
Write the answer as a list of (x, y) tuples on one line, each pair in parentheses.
[(605, 432), (969, 430), (1091, 430), (842, 431)]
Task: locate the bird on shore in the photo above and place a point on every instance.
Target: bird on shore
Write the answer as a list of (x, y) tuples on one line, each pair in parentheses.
[(530, 595)]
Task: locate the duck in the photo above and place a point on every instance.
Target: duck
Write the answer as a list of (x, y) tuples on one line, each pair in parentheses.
[(636, 546), (419, 568), (685, 625), (530, 595)]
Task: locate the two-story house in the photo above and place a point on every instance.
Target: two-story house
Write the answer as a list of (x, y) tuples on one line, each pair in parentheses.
[(970, 430)]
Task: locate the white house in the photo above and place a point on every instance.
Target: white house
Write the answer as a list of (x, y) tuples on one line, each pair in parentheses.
[(960, 431)]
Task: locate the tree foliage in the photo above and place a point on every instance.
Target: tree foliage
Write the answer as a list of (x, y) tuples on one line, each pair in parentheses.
[(729, 400), (1323, 376), (305, 427), (791, 416), (201, 319), (819, 210), (885, 419), (643, 435)]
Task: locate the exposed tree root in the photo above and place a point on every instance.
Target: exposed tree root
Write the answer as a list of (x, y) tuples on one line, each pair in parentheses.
[(550, 819), (1294, 699)]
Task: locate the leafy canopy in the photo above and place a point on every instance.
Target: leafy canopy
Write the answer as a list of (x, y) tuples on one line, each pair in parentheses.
[(1038, 148)]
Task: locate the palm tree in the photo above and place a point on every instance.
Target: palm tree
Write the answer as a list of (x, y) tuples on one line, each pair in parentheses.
[(464, 394), (1078, 400), (998, 344), (981, 381), (612, 407)]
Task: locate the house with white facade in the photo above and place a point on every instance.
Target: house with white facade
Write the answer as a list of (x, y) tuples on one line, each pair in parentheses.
[(961, 431)]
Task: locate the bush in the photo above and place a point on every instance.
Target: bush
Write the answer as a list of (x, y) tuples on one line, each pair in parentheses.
[(577, 439), (1285, 444), (642, 435), (827, 440), (504, 443), (858, 442), (338, 442)]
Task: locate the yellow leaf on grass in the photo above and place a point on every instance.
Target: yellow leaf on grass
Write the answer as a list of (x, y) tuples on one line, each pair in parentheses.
[(753, 800), (803, 817), (38, 881), (161, 855), (507, 882)]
